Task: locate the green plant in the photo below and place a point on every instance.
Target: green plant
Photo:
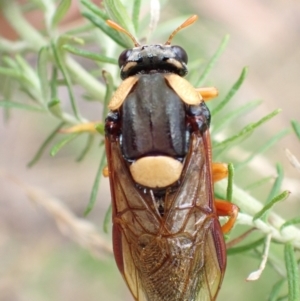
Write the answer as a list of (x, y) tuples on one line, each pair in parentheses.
[(57, 69)]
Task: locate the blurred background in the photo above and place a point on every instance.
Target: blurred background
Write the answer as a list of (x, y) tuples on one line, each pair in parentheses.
[(40, 262)]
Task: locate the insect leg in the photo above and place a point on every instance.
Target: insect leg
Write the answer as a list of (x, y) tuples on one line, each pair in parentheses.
[(105, 172), (208, 93), (219, 171), (225, 208)]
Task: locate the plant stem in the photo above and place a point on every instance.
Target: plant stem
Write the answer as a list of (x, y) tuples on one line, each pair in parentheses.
[(250, 206), (25, 30), (94, 87)]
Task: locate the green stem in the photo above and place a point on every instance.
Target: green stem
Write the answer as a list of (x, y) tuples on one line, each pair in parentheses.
[(12, 13), (11, 47), (250, 206), (94, 87)]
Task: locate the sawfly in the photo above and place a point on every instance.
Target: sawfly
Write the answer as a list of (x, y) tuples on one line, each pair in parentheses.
[(167, 239)]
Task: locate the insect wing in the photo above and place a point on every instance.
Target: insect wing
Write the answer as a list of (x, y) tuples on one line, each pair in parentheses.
[(177, 256), (132, 218), (192, 214)]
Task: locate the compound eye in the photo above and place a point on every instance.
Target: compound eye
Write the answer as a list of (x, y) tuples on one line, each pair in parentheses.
[(180, 53), (124, 57)]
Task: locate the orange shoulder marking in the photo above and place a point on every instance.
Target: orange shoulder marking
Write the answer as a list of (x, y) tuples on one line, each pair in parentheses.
[(122, 92), (183, 89)]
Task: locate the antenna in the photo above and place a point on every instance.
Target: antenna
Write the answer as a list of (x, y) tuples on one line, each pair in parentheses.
[(117, 27), (186, 23)]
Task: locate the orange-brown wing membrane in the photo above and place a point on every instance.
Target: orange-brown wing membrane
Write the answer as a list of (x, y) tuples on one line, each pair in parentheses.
[(133, 217), (192, 218), (176, 256)]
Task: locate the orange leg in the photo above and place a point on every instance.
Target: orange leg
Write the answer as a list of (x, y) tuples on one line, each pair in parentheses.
[(219, 171), (105, 172), (225, 208), (207, 93)]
